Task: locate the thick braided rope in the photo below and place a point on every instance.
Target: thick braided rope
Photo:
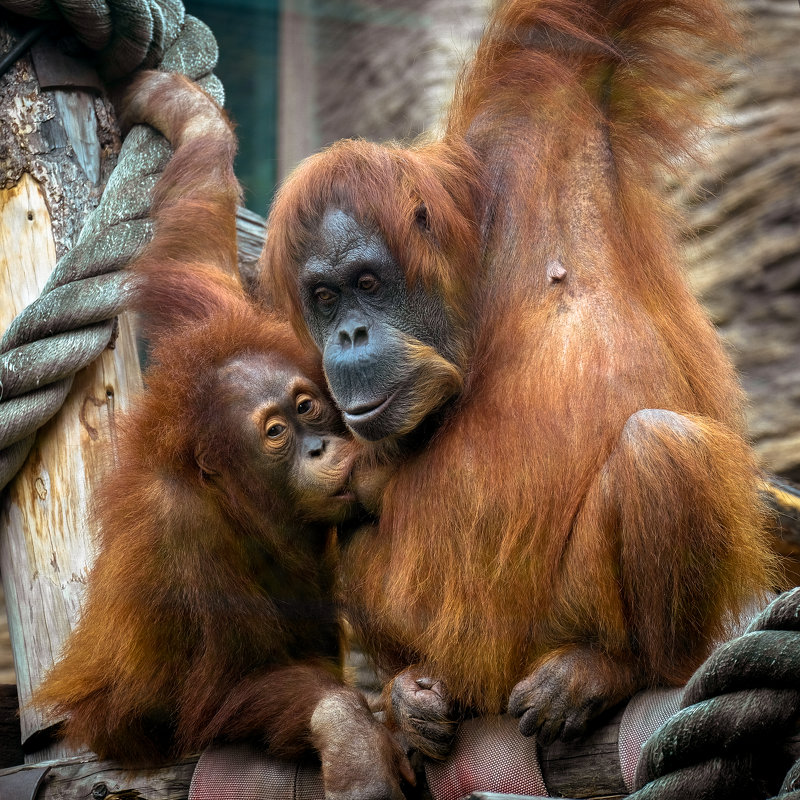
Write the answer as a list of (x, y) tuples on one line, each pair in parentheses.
[(740, 708), (72, 321), (791, 785)]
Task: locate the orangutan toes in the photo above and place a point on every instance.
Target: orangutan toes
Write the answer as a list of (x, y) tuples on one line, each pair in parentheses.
[(425, 713), (560, 698)]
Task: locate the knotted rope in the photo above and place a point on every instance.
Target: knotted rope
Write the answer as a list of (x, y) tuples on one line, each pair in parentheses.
[(739, 709), (72, 321)]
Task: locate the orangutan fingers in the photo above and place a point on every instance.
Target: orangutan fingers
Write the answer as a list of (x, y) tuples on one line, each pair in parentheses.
[(360, 759), (565, 693)]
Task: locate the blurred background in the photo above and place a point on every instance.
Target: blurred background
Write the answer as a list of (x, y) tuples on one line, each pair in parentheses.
[(300, 74)]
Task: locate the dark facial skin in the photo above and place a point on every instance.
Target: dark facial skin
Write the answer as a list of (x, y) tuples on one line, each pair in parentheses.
[(290, 437), (379, 337)]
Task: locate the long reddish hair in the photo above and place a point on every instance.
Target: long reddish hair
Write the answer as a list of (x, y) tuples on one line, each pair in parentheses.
[(498, 541)]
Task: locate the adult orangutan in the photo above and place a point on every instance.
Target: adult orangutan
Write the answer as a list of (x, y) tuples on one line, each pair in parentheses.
[(210, 612), (569, 507)]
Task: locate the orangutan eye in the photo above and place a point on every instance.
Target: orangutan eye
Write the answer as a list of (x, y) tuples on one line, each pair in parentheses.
[(277, 434), (324, 297), (368, 282), (275, 430), (306, 405)]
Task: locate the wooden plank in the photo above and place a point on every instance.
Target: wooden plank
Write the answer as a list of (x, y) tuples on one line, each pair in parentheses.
[(27, 249), (87, 778), (80, 124), (46, 545)]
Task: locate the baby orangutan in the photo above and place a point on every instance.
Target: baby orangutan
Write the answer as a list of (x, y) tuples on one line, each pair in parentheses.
[(210, 613)]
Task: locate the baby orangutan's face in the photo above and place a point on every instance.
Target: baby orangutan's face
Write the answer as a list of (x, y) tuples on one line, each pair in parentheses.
[(292, 437)]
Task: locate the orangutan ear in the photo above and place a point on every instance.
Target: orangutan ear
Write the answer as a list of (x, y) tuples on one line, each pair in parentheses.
[(203, 460), (421, 217)]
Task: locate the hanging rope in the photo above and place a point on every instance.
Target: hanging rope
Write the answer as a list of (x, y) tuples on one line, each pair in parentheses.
[(740, 708), (72, 321)]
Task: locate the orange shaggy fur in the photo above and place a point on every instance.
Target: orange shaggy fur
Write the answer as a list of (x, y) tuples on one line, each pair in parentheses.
[(210, 611), (545, 513)]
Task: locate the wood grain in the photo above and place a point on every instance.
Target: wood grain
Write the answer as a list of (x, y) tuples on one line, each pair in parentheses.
[(46, 545), (99, 780)]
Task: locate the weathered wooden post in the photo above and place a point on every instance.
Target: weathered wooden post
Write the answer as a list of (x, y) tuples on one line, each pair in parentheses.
[(58, 145)]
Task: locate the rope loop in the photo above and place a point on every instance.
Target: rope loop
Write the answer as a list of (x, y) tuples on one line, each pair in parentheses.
[(740, 709), (72, 321)]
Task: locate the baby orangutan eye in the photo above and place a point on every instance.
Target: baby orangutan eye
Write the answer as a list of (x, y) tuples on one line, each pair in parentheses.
[(306, 405), (275, 431)]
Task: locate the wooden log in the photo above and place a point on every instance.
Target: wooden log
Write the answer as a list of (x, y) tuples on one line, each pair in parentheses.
[(585, 770), (588, 768), (47, 545), (81, 777)]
